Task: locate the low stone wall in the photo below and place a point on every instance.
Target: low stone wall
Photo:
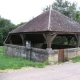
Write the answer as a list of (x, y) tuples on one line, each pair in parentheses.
[(71, 53), (41, 55), (52, 55), (68, 54), (34, 54), (14, 50)]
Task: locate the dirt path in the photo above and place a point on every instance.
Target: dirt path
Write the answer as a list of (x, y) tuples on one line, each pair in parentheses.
[(69, 71)]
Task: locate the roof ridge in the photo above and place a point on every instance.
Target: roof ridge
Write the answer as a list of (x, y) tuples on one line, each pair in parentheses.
[(49, 19)]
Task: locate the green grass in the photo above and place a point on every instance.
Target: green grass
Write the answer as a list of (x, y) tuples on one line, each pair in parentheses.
[(1, 49), (8, 62), (76, 59)]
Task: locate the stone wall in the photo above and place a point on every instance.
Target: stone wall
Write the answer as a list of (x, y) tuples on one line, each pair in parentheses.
[(34, 54), (41, 55), (52, 55), (14, 50), (71, 53), (68, 54)]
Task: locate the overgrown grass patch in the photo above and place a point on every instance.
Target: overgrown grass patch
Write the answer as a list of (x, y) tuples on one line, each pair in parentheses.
[(1, 49), (8, 62), (76, 59)]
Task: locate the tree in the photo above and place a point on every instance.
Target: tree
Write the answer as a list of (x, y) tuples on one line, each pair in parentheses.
[(1, 38), (65, 7), (76, 16), (22, 23), (5, 27)]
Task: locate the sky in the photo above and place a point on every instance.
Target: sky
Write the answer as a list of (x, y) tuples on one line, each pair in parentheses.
[(24, 10)]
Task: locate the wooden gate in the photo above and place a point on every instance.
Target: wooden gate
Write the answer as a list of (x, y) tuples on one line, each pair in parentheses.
[(61, 55)]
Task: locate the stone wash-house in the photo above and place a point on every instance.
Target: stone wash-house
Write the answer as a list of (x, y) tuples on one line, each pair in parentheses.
[(33, 40)]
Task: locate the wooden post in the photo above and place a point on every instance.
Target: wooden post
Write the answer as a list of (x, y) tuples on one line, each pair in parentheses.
[(77, 39), (69, 39), (10, 40), (22, 37), (49, 38)]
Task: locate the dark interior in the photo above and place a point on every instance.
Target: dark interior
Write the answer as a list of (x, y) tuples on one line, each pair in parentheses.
[(38, 41)]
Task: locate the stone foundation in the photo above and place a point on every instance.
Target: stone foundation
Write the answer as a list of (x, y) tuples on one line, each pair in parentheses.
[(41, 55)]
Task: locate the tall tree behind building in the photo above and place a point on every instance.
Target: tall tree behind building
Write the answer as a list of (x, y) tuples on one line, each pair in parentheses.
[(65, 7), (5, 27)]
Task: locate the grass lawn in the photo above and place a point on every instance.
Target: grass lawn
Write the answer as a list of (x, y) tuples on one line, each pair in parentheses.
[(1, 49), (76, 59), (8, 62)]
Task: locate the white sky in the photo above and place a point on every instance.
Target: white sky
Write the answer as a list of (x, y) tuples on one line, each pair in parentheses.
[(23, 10)]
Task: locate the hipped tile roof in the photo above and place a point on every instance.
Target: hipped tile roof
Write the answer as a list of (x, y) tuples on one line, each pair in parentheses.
[(58, 23)]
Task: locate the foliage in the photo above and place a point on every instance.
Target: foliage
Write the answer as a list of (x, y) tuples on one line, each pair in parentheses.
[(22, 23), (64, 41), (76, 16), (60, 40), (8, 62), (66, 8), (5, 27), (76, 59)]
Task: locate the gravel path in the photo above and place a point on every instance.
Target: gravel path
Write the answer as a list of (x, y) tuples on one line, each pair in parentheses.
[(67, 71)]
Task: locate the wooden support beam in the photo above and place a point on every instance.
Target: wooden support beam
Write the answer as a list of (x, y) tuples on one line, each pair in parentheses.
[(69, 39), (22, 37), (77, 38), (10, 39), (49, 38)]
